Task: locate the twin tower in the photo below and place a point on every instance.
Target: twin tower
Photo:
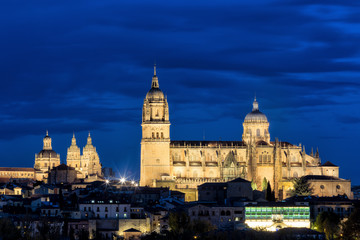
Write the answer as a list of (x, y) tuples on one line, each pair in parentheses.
[(86, 165)]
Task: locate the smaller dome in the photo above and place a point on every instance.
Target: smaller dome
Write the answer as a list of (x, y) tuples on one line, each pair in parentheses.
[(47, 153), (155, 94), (256, 115)]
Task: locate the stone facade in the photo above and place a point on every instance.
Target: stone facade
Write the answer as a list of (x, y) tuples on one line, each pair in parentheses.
[(86, 164), (7, 173), (183, 165)]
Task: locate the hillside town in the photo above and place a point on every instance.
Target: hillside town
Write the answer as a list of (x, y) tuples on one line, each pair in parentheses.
[(249, 189)]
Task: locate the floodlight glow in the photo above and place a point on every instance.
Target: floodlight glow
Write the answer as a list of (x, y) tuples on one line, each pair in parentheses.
[(122, 180)]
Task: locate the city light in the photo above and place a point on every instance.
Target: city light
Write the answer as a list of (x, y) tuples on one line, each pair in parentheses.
[(122, 180)]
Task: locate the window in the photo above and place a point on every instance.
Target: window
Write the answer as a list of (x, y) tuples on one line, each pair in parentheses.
[(125, 210), (106, 209), (162, 135), (322, 186), (117, 209), (98, 209), (258, 132), (153, 135), (295, 175), (338, 186), (157, 135)]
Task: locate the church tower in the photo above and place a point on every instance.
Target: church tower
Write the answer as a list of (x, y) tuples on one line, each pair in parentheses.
[(155, 142), (256, 126), (90, 159), (73, 155), (46, 159)]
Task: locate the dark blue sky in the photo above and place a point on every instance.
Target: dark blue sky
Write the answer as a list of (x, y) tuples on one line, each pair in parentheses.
[(87, 65)]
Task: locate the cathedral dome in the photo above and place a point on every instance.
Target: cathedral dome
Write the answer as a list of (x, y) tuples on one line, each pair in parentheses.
[(47, 153), (256, 115), (155, 92)]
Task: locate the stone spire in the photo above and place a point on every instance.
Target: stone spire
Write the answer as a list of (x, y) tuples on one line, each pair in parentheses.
[(155, 81), (255, 105), (89, 140), (73, 140), (47, 142)]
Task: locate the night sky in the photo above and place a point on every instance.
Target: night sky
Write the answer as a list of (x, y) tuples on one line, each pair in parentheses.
[(79, 66)]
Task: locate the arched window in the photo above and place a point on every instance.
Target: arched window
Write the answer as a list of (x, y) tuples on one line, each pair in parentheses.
[(269, 158), (157, 135), (222, 213), (295, 174), (227, 213), (162, 135), (264, 132), (153, 135), (258, 132), (260, 159)]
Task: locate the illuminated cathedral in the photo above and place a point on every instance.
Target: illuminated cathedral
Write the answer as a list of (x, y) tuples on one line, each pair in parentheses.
[(86, 165), (183, 165)]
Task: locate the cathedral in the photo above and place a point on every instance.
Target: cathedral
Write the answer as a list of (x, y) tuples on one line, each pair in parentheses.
[(184, 165), (86, 165)]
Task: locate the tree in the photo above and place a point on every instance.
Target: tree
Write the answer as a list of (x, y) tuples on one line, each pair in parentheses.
[(264, 184), (351, 228), (269, 195), (8, 230), (301, 187), (253, 185), (183, 228), (179, 222), (328, 223)]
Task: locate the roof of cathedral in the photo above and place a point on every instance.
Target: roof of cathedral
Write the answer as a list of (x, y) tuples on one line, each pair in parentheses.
[(328, 164), (239, 180), (256, 115), (63, 166), (262, 143), (47, 153), (16, 169), (321, 177), (207, 143)]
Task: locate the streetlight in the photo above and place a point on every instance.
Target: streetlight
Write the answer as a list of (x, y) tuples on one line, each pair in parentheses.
[(122, 180)]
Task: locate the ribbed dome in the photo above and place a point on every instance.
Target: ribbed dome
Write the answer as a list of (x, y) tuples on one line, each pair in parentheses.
[(155, 94), (256, 115)]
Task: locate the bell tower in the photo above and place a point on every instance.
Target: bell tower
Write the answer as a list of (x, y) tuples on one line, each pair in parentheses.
[(256, 126), (155, 142)]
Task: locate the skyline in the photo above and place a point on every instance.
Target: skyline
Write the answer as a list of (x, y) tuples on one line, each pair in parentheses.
[(87, 66)]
